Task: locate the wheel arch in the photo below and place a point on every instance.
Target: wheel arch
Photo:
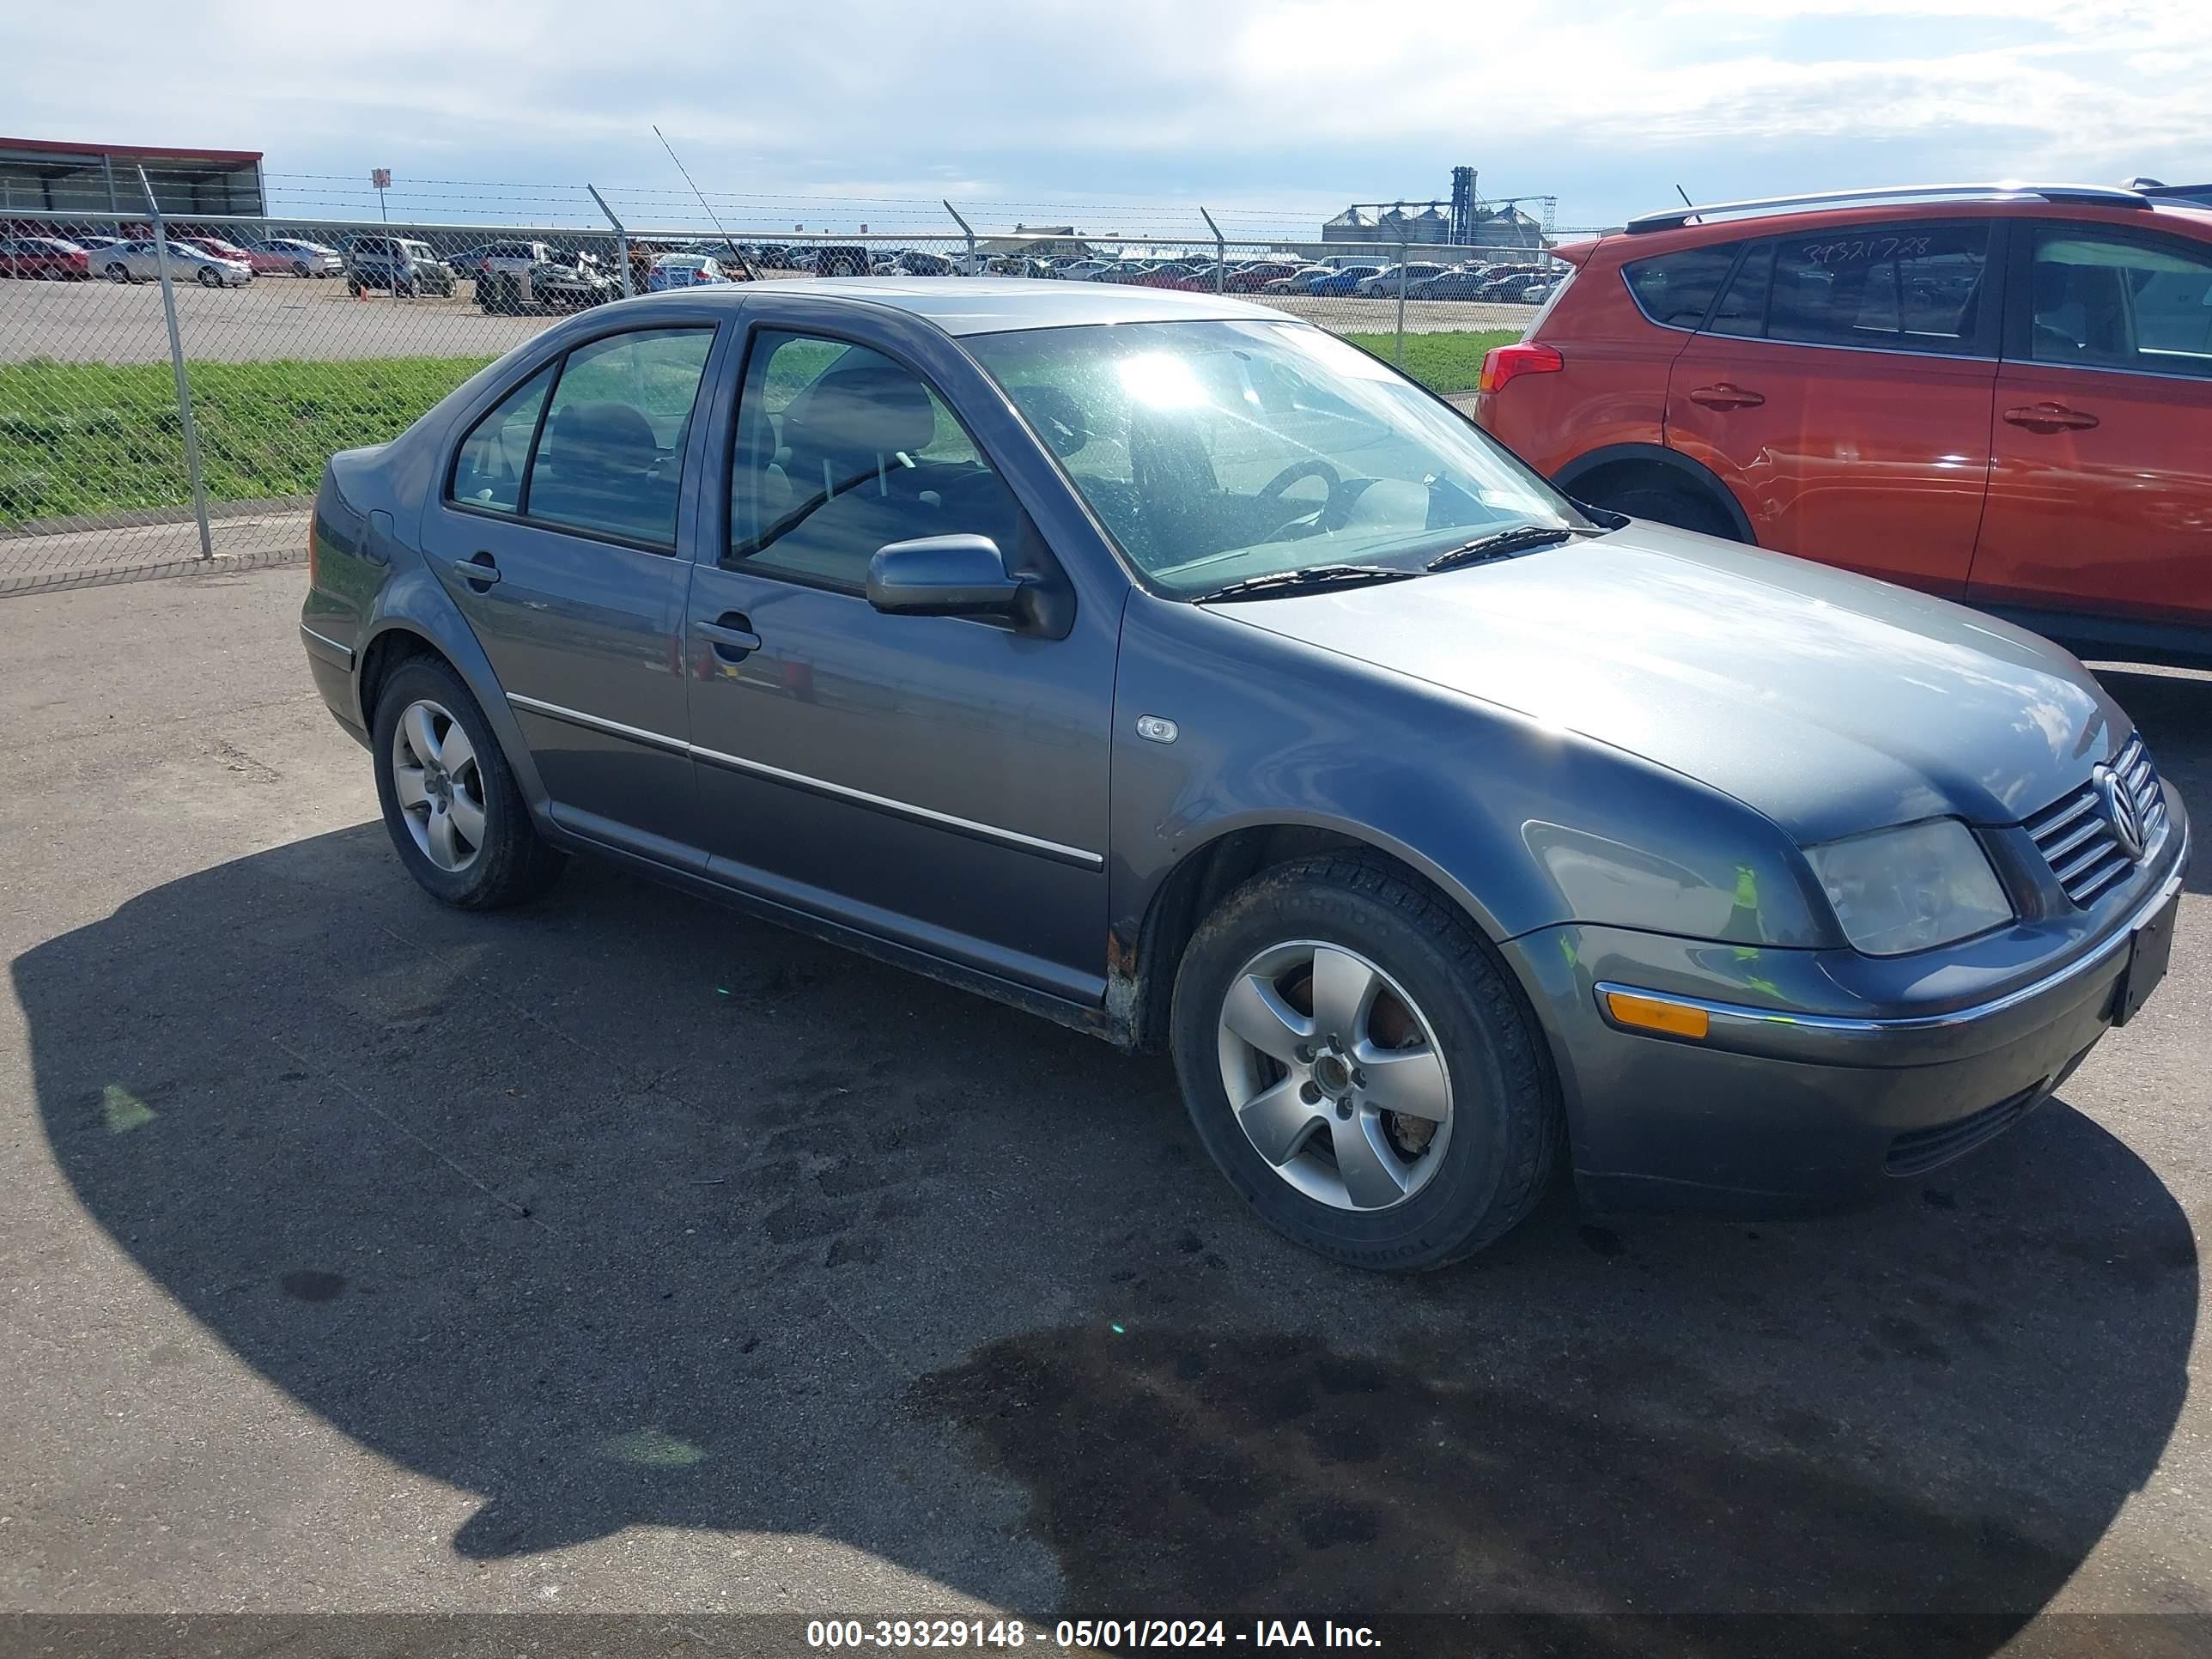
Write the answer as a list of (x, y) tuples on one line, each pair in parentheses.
[(1656, 459), (1141, 969), (401, 632)]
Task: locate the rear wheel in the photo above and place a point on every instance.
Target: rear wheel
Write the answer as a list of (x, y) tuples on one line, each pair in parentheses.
[(450, 804), (1678, 505), (1360, 1068)]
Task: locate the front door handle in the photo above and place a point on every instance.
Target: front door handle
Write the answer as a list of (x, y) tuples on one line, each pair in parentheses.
[(1725, 396), (2050, 417), (478, 569), (731, 634)]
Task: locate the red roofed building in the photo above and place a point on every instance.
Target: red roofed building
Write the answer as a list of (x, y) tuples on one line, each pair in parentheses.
[(103, 178)]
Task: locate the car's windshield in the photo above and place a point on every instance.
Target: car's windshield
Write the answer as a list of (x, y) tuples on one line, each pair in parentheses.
[(1218, 452)]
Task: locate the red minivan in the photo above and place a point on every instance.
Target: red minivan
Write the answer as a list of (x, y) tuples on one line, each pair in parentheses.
[(2001, 394)]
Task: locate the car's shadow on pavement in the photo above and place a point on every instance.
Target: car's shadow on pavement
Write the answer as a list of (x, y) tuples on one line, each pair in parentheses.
[(623, 1210)]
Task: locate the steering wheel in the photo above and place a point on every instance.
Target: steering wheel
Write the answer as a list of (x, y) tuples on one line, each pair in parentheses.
[(1316, 468)]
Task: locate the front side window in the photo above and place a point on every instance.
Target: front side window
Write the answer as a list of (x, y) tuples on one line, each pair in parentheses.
[(488, 472), (841, 451), (1676, 290), (2114, 302), (610, 460), (1895, 288), (1218, 452)]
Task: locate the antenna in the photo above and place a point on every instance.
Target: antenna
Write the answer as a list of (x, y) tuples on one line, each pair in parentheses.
[(744, 264), (1679, 190)]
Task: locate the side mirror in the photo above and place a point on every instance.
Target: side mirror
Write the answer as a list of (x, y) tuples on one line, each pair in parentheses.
[(943, 576)]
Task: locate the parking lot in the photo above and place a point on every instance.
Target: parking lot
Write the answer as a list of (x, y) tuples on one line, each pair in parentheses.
[(622, 1254), (319, 321)]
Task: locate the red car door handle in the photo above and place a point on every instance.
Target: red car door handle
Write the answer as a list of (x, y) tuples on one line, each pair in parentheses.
[(1725, 396), (2050, 417)]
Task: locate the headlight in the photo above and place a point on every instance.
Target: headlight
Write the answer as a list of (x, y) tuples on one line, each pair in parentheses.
[(1899, 890)]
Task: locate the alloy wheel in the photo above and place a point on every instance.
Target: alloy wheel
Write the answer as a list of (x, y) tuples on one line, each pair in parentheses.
[(1334, 1075), (438, 785)]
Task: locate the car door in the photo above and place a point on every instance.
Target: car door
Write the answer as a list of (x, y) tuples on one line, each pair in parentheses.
[(2100, 490), (1841, 388), (562, 533), (938, 782)]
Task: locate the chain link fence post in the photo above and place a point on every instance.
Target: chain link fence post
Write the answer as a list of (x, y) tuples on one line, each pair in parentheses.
[(177, 361), (622, 240), (1221, 252), (969, 231), (1405, 253)]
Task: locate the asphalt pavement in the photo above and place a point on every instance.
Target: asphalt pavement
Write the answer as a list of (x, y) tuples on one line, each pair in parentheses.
[(623, 1254)]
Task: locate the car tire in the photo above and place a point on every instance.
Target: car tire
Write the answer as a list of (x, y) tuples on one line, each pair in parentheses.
[(301, 270), (119, 273), (1441, 1005), (511, 863), (1683, 508), (209, 277), (354, 287)]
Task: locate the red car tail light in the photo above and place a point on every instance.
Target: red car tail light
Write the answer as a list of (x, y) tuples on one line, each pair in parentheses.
[(1502, 363)]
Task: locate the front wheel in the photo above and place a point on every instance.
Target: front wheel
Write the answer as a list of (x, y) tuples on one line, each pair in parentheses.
[(301, 270), (119, 273), (450, 804), (1360, 1066), (211, 277)]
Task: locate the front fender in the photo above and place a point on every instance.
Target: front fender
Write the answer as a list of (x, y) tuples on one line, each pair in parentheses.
[(1523, 825)]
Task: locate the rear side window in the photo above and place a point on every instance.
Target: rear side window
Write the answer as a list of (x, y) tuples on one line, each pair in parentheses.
[(1742, 310), (1676, 290), (1901, 287), (610, 458), (488, 472)]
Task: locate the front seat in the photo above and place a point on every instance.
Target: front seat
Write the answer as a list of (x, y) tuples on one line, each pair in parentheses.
[(847, 484)]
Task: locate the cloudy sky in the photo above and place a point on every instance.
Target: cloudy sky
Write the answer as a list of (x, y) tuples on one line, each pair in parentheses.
[(1121, 112)]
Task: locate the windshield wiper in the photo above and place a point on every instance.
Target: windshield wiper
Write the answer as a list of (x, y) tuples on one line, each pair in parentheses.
[(1312, 578), (1500, 543)]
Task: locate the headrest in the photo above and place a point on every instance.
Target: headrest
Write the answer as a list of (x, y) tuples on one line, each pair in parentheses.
[(612, 436), (876, 410)]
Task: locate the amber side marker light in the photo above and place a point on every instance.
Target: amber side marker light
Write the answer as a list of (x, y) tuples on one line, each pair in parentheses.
[(1651, 1014)]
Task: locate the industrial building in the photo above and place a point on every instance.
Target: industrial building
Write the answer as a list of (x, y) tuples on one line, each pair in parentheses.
[(1465, 222), (102, 179)]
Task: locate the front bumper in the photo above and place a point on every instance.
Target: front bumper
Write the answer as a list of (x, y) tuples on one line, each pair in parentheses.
[(1775, 1106)]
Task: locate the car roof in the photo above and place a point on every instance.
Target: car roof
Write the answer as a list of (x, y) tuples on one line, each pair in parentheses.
[(998, 305), (1633, 245)]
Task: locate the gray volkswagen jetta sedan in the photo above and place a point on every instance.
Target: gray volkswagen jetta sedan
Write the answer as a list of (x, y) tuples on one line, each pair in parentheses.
[(1180, 673)]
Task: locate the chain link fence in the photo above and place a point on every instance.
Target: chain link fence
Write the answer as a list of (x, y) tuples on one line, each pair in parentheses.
[(170, 388)]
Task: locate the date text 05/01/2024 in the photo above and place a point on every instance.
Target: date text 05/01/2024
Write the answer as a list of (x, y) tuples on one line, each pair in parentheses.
[(1085, 1633)]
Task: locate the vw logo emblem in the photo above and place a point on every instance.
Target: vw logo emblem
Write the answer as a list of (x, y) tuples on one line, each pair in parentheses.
[(2120, 813)]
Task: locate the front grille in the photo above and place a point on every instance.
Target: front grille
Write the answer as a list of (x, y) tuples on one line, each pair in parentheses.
[(1918, 1150), (2077, 842)]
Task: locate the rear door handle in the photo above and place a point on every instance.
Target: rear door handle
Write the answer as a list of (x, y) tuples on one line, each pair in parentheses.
[(731, 634), (2050, 417), (478, 568), (1725, 396)]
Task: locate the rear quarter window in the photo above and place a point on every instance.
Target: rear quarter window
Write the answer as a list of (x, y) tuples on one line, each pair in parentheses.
[(1676, 290)]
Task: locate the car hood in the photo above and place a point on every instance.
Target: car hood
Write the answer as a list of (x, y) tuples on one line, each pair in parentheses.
[(1828, 702)]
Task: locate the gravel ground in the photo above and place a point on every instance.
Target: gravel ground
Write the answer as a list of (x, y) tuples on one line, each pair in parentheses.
[(622, 1255)]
